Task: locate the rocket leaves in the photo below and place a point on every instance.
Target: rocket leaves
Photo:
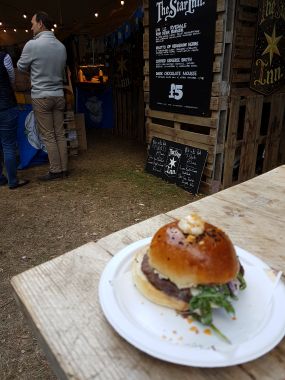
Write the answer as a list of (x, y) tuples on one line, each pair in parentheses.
[(209, 297), (241, 281), (215, 296)]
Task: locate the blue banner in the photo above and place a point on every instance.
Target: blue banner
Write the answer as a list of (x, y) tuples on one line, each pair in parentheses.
[(127, 30), (96, 103)]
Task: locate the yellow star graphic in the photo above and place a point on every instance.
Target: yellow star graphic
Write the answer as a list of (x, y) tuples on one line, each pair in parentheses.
[(122, 65), (272, 44)]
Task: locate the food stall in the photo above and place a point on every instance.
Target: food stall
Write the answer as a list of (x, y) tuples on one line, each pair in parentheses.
[(218, 85)]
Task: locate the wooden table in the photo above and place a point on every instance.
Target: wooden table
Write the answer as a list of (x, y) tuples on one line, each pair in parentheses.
[(60, 297)]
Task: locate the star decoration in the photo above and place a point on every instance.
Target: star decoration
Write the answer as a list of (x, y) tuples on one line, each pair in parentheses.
[(122, 65), (172, 162), (272, 44)]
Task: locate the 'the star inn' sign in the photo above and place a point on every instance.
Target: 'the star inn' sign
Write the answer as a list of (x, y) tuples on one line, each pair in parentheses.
[(268, 66)]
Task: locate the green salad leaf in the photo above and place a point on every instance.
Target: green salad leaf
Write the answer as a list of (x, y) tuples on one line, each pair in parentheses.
[(209, 297), (241, 281)]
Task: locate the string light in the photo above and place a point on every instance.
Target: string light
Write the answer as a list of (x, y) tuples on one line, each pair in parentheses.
[(10, 28)]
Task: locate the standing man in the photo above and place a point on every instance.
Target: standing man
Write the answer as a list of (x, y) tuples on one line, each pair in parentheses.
[(45, 57), (8, 123)]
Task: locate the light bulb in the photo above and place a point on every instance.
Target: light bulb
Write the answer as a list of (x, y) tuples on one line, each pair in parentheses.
[(55, 25), (122, 2), (96, 14), (15, 30), (24, 15), (26, 30), (4, 30)]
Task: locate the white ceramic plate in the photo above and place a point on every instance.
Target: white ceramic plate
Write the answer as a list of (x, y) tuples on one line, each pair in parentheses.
[(258, 327)]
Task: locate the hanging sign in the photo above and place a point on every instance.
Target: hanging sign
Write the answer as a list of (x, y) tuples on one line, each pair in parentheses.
[(176, 163), (181, 38), (268, 66)]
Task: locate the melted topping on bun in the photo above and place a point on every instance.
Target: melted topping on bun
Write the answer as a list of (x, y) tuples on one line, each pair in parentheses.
[(192, 224)]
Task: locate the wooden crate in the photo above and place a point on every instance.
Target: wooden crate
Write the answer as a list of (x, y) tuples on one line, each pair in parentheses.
[(70, 133), (255, 137), (75, 133), (81, 131), (202, 132)]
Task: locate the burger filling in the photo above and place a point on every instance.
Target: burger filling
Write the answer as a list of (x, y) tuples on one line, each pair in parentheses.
[(163, 284), (202, 298)]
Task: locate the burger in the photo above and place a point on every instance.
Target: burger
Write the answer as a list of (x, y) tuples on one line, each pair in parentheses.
[(190, 266)]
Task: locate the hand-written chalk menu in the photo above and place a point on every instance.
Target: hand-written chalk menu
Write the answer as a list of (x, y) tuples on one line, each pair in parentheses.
[(176, 163), (181, 41)]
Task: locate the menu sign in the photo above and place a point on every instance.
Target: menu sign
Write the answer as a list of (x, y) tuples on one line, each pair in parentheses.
[(182, 35), (268, 66), (176, 163)]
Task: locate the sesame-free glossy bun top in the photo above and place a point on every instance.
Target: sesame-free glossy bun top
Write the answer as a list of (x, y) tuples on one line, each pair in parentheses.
[(188, 260)]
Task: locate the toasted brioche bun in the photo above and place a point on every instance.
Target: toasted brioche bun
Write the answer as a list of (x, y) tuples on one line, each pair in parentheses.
[(209, 258), (149, 291)]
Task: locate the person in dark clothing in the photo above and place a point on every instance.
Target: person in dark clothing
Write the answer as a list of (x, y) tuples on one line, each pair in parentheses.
[(8, 124)]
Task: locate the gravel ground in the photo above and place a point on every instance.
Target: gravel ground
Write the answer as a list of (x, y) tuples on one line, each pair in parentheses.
[(108, 190)]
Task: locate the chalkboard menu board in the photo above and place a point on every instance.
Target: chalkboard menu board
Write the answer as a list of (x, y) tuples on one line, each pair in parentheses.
[(181, 38), (176, 163)]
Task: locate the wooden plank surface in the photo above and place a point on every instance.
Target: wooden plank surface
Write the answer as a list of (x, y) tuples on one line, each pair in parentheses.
[(120, 239), (60, 297), (175, 133), (203, 121)]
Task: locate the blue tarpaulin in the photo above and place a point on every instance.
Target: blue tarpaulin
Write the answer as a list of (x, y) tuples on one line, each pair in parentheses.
[(31, 149)]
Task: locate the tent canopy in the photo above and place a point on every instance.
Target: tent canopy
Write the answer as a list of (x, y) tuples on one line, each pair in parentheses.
[(70, 17)]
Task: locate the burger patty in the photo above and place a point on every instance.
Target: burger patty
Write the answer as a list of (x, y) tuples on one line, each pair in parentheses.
[(163, 284)]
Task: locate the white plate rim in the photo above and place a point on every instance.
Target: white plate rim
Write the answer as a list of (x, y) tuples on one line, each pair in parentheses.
[(123, 326)]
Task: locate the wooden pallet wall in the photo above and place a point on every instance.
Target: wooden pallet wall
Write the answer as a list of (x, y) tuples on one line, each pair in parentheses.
[(127, 87), (129, 112), (201, 132), (255, 140), (255, 130), (243, 45)]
